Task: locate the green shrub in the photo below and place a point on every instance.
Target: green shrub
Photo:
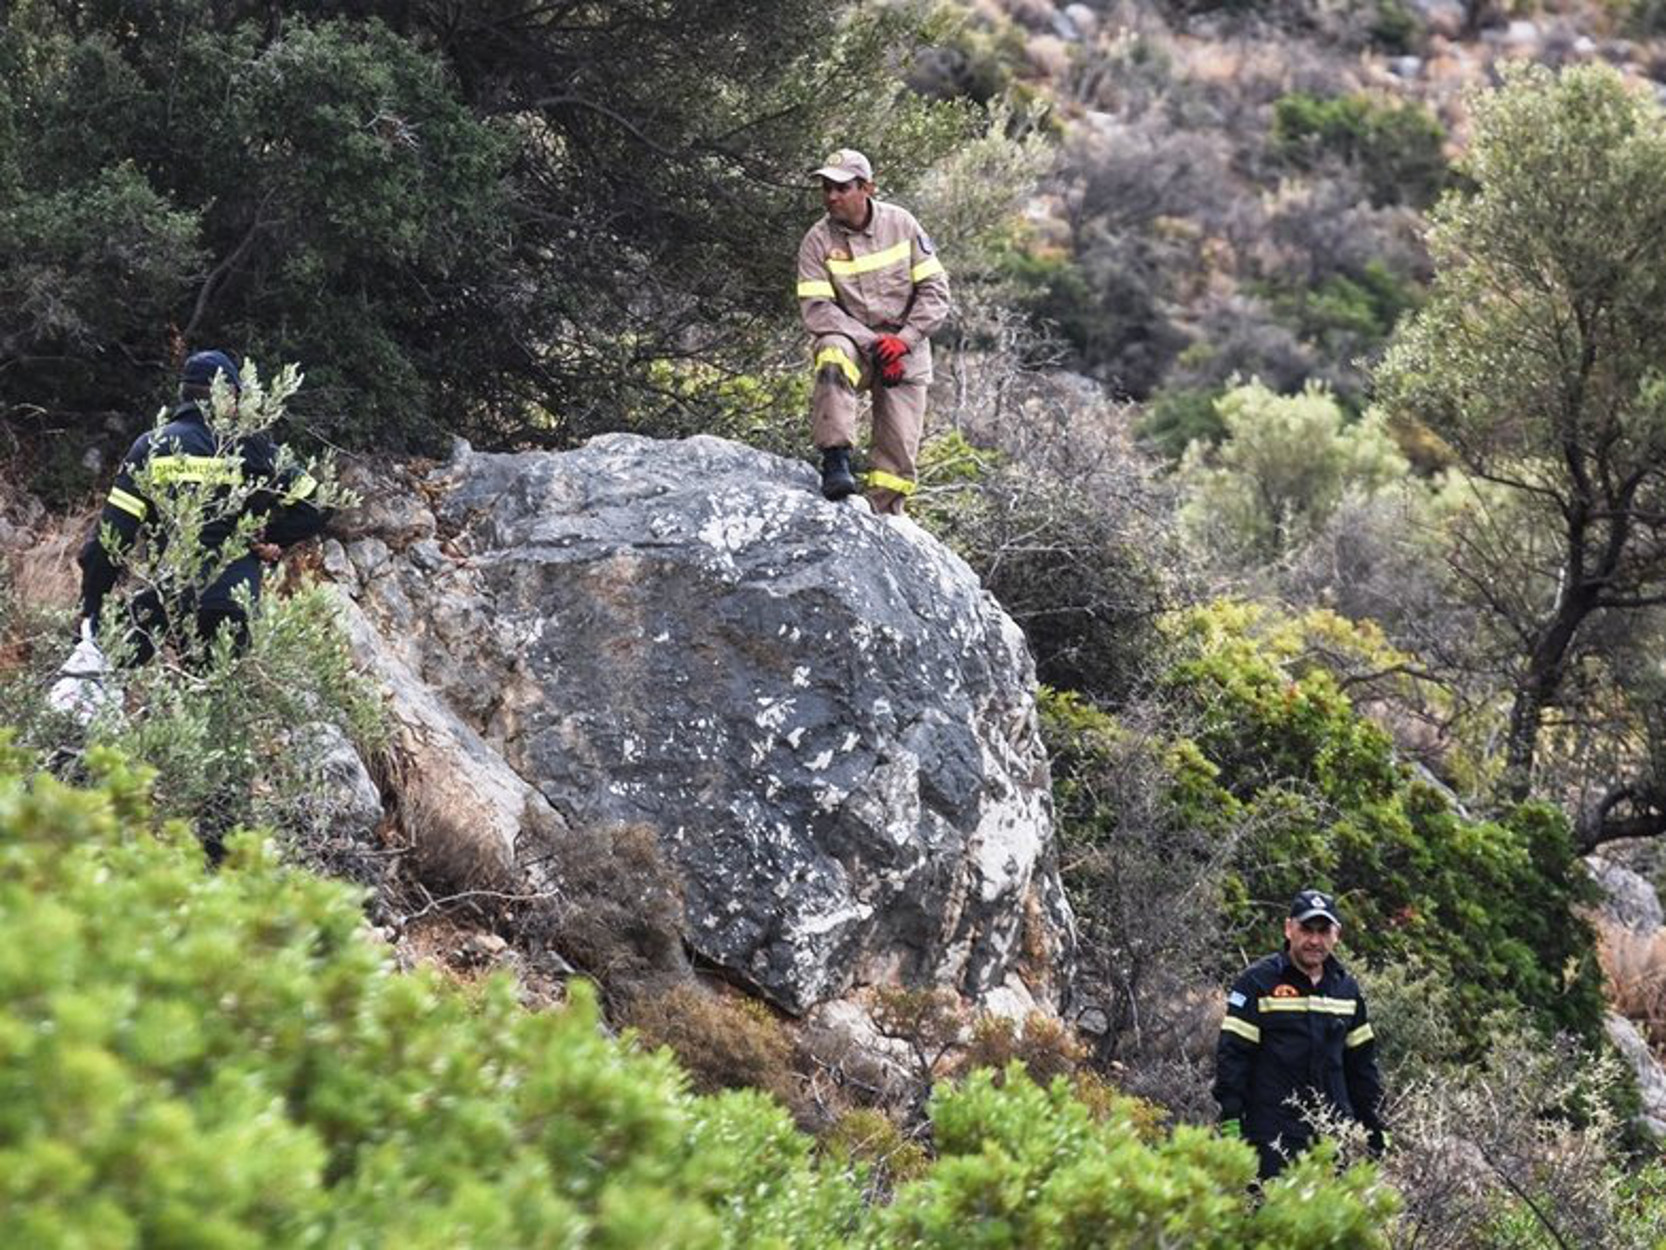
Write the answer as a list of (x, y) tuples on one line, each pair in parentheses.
[(1284, 465), (1394, 146), (1348, 315), (227, 1058), (1176, 418), (1257, 778), (1395, 28), (195, 1058), (1026, 1166), (1488, 904)]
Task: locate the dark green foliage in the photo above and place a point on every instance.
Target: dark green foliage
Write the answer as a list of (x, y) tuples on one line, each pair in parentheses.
[(1180, 416), (1277, 765), (1104, 306), (1490, 903), (1348, 316), (496, 219), (320, 192), (1394, 147), (1395, 28)]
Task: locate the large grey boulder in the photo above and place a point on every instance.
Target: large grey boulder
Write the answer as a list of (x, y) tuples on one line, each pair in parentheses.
[(827, 722)]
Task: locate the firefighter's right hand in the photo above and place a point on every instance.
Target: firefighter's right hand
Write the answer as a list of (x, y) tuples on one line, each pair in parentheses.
[(888, 350), (1233, 1129)]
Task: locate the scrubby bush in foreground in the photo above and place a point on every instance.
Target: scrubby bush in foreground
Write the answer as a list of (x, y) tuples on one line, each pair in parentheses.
[(222, 1058)]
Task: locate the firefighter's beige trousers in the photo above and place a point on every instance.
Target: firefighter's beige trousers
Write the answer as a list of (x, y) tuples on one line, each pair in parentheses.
[(898, 415)]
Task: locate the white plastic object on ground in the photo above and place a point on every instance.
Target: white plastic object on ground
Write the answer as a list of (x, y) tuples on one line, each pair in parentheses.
[(79, 689)]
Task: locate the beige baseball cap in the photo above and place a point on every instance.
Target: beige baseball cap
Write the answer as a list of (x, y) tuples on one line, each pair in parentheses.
[(844, 165)]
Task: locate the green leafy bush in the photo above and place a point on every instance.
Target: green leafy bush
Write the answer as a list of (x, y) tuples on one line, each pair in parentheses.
[(1489, 904), (1026, 1166), (1285, 463), (1177, 417), (1348, 315), (227, 1058), (1394, 146), (1261, 778)]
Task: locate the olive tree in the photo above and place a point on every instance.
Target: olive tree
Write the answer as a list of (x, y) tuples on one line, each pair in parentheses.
[(1539, 359)]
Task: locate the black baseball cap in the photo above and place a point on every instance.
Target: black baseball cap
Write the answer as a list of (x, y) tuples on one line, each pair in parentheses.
[(1312, 903)]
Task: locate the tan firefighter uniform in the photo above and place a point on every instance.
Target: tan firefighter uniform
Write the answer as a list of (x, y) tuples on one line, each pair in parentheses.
[(853, 286)]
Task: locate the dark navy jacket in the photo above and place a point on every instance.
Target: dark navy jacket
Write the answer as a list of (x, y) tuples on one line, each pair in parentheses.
[(1283, 1036), (186, 451)]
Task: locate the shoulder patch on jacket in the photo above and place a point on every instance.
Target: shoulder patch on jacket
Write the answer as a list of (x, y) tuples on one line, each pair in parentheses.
[(1235, 999), (924, 240)]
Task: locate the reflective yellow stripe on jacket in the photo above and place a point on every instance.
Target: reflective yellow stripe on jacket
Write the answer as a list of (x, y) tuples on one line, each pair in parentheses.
[(1309, 1002), (128, 503), (897, 253), (203, 470), (1243, 1028)]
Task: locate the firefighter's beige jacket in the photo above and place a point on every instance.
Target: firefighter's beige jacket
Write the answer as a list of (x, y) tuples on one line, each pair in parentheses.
[(883, 279)]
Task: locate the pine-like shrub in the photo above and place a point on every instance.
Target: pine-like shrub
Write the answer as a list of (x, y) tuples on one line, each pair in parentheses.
[(226, 1058), (1270, 781), (1025, 1166), (200, 1058)]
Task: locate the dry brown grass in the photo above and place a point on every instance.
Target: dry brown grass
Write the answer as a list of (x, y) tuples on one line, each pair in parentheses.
[(723, 1039), (1045, 1045), (39, 580), (1634, 969), (45, 575)]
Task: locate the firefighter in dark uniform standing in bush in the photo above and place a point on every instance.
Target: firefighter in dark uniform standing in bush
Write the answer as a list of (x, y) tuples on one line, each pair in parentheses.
[(1296, 1031), (870, 291), (188, 453)]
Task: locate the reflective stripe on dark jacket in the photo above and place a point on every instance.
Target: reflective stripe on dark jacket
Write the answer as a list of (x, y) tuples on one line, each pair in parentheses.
[(186, 451), (1284, 1037)]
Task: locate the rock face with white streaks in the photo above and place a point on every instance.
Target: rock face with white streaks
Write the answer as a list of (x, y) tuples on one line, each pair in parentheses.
[(827, 722)]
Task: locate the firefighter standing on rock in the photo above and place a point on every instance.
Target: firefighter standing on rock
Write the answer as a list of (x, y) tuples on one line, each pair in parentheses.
[(870, 291)]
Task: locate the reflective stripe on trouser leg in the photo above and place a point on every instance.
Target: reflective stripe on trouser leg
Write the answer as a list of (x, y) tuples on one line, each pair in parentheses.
[(898, 416), (839, 374)]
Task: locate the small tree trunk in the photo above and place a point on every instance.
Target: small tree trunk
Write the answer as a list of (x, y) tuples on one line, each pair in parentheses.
[(1538, 688), (1522, 743)]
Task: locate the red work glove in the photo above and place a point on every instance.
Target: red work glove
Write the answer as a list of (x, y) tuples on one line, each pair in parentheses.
[(888, 351)]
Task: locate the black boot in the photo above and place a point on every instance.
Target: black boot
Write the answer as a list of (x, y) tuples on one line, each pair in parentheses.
[(837, 480)]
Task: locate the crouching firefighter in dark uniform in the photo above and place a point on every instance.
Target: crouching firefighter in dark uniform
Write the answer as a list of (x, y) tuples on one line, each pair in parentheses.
[(187, 453), (1296, 1031)]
